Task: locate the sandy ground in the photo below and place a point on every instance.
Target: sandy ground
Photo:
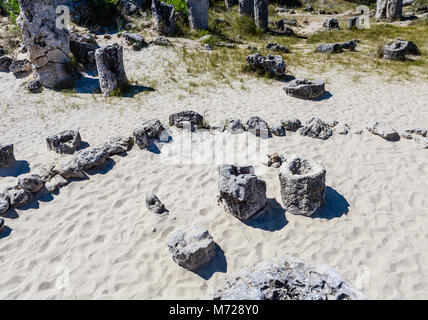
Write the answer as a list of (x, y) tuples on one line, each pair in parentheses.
[(96, 239)]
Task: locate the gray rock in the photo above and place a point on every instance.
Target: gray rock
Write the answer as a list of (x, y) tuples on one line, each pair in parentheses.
[(5, 63), (48, 46), (179, 119), (161, 41), (292, 124), (20, 68), (19, 197), (329, 48), (4, 202), (352, 22), (191, 249), (7, 157), (261, 14), (258, 127), (234, 126), (111, 69), (198, 14), (287, 279), (149, 131), (343, 128), (242, 193), (118, 145), (83, 50), (277, 47), (154, 204), (55, 183), (164, 15), (418, 131), (302, 186), (246, 7), (35, 86), (30, 182), (274, 160), (384, 131), (350, 45), (281, 24), (135, 40), (305, 89), (331, 24), (273, 65), (316, 128), (389, 9), (1, 224), (397, 49), (64, 142), (278, 130)]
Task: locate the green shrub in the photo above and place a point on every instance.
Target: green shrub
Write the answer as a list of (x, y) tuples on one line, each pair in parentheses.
[(11, 8), (179, 5)]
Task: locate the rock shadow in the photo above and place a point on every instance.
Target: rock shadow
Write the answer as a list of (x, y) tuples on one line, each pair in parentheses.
[(325, 96), (335, 205), (103, 169), (20, 167), (133, 90), (217, 264), (272, 218), (5, 232)]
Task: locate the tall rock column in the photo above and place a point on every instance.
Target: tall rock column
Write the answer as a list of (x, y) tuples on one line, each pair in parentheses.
[(198, 14), (48, 46), (246, 7), (261, 14), (389, 9), (164, 15)]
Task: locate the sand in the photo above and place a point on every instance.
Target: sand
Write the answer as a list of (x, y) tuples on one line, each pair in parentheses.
[(97, 240)]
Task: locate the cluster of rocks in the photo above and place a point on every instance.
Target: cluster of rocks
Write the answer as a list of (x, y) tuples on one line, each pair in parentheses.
[(135, 40), (274, 66), (398, 49), (420, 136), (287, 279), (337, 47), (277, 47)]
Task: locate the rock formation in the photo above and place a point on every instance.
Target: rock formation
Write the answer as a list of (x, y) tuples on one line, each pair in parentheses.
[(164, 15), (198, 14), (389, 9), (64, 142), (305, 89)]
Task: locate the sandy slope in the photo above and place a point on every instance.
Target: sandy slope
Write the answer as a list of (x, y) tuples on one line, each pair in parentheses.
[(99, 232)]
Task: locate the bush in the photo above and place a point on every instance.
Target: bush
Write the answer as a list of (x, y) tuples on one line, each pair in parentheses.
[(180, 5), (11, 8)]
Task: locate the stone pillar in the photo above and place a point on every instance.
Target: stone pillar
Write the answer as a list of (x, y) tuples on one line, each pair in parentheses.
[(164, 15), (261, 14), (111, 70), (198, 14), (246, 7), (48, 46), (389, 9)]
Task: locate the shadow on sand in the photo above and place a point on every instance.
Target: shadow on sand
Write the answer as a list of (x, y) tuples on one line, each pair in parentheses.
[(272, 218), (217, 264), (335, 205), (20, 167)]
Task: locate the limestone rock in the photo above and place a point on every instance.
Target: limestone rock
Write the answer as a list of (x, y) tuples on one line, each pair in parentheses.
[(305, 89), (135, 40), (273, 65), (5, 63), (164, 15), (111, 69), (234, 126), (30, 182), (261, 14), (381, 129), (20, 68), (56, 183), (83, 50), (47, 45), (278, 130), (35, 86), (19, 197), (316, 128), (242, 193), (397, 50), (7, 157), (291, 124), (277, 47), (389, 9), (258, 127), (191, 249), (180, 118), (349, 45), (329, 48), (198, 14), (287, 279), (246, 7), (302, 186), (4, 202), (149, 131), (154, 204), (64, 142), (331, 24), (118, 145)]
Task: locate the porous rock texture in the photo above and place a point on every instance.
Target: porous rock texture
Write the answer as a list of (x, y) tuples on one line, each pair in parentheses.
[(64, 142), (273, 65), (305, 89), (164, 15), (316, 128)]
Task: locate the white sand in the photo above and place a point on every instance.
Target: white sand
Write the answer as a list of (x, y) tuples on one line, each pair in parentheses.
[(99, 232)]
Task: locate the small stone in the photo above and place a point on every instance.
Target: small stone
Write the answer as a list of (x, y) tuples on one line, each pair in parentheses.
[(343, 128), (35, 86), (234, 126), (180, 118), (154, 204), (30, 182), (384, 131), (331, 23), (119, 145), (57, 182), (258, 127), (316, 128), (19, 198), (292, 124), (64, 142), (5, 63), (278, 130)]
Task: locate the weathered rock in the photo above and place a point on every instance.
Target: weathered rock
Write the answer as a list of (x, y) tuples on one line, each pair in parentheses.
[(261, 14), (47, 45), (5, 63), (329, 48), (7, 157), (384, 131), (30, 182), (20, 68), (4, 202), (316, 128), (191, 249), (287, 279), (258, 127), (418, 131), (309, 8), (273, 65), (161, 41), (55, 183), (64, 142), (302, 186), (305, 89), (242, 193), (274, 160), (277, 47), (147, 132), (164, 15), (35, 86), (278, 130), (292, 124), (331, 24), (135, 40), (154, 204), (389, 9), (83, 50), (234, 126), (19, 197), (1, 224), (246, 7), (350, 45), (352, 22), (398, 49), (118, 145), (280, 24), (111, 69), (180, 118), (198, 14)]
